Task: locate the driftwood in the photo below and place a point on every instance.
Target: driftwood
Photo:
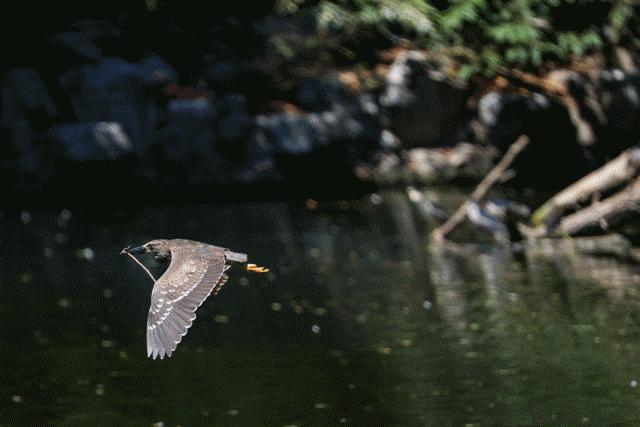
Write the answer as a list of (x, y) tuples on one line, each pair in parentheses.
[(615, 173), (487, 182), (602, 212)]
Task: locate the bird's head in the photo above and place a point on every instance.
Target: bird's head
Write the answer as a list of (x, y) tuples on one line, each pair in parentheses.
[(158, 248)]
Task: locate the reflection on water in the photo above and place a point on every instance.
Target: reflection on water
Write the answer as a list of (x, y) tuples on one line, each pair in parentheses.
[(360, 323)]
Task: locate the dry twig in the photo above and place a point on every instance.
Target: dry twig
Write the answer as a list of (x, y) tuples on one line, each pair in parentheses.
[(124, 251), (487, 182)]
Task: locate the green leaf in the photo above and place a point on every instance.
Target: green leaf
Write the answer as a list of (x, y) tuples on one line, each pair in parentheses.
[(467, 71), (516, 55)]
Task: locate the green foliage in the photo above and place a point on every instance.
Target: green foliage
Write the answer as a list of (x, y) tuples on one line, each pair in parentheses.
[(490, 33)]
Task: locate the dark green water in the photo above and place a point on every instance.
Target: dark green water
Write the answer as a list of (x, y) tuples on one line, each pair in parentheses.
[(361, 323)]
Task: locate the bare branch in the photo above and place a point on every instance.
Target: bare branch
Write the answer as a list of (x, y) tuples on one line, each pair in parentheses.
[(614, 173), (480, 191), (601, 213)]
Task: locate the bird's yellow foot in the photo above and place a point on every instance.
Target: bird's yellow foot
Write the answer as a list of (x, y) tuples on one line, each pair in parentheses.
[(255, 269)]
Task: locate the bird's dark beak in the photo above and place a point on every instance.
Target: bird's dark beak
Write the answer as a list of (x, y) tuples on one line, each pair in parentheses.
[(136, 250)]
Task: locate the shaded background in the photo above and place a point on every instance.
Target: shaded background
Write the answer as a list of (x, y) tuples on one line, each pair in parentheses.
[(127, 98)]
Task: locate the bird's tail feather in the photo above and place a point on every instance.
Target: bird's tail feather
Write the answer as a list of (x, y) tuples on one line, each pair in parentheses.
[(235, 256)]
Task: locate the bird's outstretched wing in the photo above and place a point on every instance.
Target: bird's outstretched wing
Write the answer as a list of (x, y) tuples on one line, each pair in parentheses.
[(194, 272)]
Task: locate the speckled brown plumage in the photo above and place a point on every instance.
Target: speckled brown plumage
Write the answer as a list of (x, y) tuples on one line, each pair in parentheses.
[(196, 271)]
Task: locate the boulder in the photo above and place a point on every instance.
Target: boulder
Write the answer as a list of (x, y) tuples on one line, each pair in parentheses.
[(323, 93), (300, 134), (222, 73), (78, 44), (259, 165), (24, 91), (287, 134), (187, 140), (189, 129), (503, 117), (116, 90), (424, 108), (97, 29), (296, 144), (91, 141), (619, 96), (234, 122), (465, 160), (27, 109), (155, 71)]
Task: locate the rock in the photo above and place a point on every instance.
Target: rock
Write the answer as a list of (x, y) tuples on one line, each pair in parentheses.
[(78, 44), (287, 134), (504, 117), (334, 126), (426, 207), (299, 134), (189, 128), (323, 93), (361, 121), (27, 109), (620, 99), (344, 131), (499, 218), (489, 108), (155, 71), (406, 67), (580, 113), (510, 214), (260, 165), (23, 90), (386, 169), (188, 140), (486, 222), (92, 141), (222, 74), (115, 90), (445, 164), (423, 107), (388, 141), (234, 122), (97, 29), (507, 115), (431, 165), (504, 209)]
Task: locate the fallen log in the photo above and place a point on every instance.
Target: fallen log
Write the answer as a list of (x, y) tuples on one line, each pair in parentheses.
[(600, 213), (615, 173), (439, 233)]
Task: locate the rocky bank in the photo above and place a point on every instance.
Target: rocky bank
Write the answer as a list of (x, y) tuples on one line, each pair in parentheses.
[(96, 113)]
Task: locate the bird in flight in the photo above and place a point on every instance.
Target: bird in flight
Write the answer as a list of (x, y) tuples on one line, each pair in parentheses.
[(196, 271)]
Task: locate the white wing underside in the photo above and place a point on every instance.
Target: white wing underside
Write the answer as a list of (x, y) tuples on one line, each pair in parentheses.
[(194, 273)]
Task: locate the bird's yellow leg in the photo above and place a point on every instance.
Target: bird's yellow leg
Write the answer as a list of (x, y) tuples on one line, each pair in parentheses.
[(255, 269)]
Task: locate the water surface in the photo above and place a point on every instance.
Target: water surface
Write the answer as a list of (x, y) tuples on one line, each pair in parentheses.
[(361, 322)]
